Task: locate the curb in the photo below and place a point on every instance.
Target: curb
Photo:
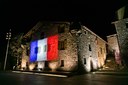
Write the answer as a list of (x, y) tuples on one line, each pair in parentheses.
[(112, 73), (46, 73)]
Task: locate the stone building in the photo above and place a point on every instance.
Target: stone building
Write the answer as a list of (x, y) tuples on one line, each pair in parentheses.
[(113, 47), (122, 32), (63, 47), (121, 26)]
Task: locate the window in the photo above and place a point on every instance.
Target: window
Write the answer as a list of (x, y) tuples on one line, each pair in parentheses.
[(104, 50), (98, 54), (127, 25), (84, 60), (101, 50), (62, 44), (45, 48), (28, 51), (61, 29), (46, 63), (90, 48), (36, 50), (62, 63)]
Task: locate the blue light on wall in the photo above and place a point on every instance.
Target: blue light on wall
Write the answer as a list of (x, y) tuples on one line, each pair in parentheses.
[(33, 51)]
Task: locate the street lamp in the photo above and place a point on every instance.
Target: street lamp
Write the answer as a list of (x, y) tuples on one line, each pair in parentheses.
[(8, 37)]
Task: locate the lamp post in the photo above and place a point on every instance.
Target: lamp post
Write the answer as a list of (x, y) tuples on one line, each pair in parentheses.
[(8, 37)]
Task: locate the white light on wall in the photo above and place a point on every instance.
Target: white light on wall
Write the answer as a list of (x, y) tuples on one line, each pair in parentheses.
[(23, 64), (53, 65), (88, 64), (31, 66), (41, 65), (94, 64), (70, 65)]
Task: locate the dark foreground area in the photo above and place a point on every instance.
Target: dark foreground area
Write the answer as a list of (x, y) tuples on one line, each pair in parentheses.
[(13, 78)]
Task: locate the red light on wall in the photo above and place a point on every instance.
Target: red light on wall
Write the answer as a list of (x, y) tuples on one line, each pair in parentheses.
[(52, 53)]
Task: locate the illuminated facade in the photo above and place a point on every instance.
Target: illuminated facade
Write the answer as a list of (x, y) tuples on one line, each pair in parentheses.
[(113, 47), (121, 27), (54, 46)]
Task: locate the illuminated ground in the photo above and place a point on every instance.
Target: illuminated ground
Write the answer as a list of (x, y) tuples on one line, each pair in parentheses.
[(11, 78)]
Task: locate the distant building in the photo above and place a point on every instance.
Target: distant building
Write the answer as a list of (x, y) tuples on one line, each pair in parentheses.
[(62, 46), (113, 47)]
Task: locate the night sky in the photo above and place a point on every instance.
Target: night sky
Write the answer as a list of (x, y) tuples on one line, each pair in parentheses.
[(21, 16), (96, 15)]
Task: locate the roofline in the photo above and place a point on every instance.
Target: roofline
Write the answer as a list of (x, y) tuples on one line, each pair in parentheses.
[(118, 20), (94, 33), (111, 35), (57, 22), (38, 24)]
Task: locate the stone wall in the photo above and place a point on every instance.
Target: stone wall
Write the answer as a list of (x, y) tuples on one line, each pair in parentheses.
[(122, 32), (101, 50), (84, 50), (113, 47), (112, 42), (69, 55), (89, 48)]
